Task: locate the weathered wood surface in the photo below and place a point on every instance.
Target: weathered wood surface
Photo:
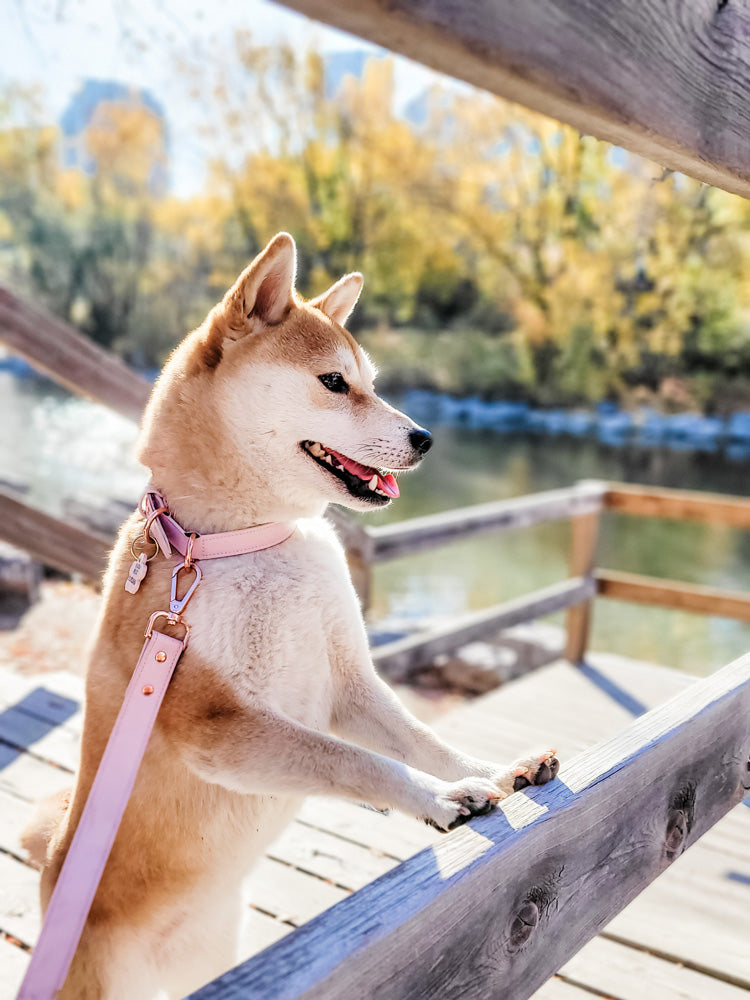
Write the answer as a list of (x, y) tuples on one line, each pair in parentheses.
[(396, 659), (679, 505), (335, 846), (641, 589), (68, 358), (496, 908), (53, 541), (420, 533), (665, 78), (583, 539)]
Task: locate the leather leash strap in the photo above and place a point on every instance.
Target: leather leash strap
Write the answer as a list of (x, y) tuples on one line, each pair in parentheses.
[(92, 842), (107, 799)]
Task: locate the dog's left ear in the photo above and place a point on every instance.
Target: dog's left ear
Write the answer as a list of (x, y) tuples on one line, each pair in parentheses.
[(341, 298)]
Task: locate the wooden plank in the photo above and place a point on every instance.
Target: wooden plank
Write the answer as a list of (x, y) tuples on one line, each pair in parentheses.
[(43, 739), (19, 900), (29, 778), (584, 536), (290, 895), (393, 834), (558, 989), (419, 533), (594, 65), (331, 858), (617, 970), (52, 541), (15, 814), (679, 505), (697, 914), (68, 358), (672, 594), (498, 906), (395, 659), (259, 931), (13, 963)]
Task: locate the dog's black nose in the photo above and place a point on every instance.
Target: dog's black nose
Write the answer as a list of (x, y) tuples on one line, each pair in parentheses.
[(421, 440)]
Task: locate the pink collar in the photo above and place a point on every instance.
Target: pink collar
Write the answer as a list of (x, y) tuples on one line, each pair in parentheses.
[(168, 534)]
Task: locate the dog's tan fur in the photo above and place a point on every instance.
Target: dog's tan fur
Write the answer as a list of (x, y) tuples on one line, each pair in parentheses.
[(278, 658)]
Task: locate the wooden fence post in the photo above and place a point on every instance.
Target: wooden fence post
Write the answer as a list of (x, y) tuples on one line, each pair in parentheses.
[(584, 538)]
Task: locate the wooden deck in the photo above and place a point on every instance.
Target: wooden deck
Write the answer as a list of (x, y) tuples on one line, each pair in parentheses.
[(685, 937)]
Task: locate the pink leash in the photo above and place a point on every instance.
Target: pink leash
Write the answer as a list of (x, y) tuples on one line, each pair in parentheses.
[(80, 875)]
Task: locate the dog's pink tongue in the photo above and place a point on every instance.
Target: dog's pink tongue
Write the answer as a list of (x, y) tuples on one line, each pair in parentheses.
[(388, 485)]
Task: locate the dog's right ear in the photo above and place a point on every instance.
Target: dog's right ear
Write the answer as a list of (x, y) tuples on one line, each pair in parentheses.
[(264, 292), (262, 296)]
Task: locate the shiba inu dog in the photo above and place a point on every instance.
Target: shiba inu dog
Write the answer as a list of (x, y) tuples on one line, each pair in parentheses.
[(265, 413)]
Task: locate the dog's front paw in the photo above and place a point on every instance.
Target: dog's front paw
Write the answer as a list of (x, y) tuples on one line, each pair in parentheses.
[(458, 801), (536, 769)]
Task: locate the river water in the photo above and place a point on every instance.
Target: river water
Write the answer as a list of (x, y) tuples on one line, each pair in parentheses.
[(59, 446)]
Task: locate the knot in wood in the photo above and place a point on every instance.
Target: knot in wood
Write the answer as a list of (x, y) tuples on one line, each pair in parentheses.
[(677, 831), (523, 925)]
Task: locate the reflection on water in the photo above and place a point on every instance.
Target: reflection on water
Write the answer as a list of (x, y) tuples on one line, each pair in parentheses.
[(60, 447)]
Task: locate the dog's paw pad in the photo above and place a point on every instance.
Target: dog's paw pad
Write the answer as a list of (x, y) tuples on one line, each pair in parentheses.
[(463, 800), (536, 769)]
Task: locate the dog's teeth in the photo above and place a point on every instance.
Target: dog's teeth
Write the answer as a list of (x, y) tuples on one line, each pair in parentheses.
[(328, 459), (373, 484), (316, 450)]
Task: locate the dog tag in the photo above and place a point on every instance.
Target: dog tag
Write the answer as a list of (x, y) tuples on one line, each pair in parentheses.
[(138, 570)]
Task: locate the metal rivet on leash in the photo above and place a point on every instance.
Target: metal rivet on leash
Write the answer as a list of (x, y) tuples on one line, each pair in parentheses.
[(147, 689), (161, 656)]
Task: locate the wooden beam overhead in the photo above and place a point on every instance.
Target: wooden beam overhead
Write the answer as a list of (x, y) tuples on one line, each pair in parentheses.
[(669, 79)]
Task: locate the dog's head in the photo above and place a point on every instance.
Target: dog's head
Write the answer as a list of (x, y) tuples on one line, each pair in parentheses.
[(270, 404)]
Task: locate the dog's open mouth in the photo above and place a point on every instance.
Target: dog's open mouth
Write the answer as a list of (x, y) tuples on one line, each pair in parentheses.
[(362, 481)]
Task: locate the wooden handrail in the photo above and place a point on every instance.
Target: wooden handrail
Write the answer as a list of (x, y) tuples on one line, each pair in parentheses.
[(68, 358), (672, 594), (419, 533), (679, 505), (53, 541), (496, 908), (396, 659)]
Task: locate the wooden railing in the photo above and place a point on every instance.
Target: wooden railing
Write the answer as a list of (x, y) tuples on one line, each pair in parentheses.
[(495, 910), (583, 505)]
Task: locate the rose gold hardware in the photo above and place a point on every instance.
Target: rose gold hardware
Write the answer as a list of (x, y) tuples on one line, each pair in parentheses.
[(189, 551), (147, 689), (149, 521), (140, 540), (172, 619), (161, 656)]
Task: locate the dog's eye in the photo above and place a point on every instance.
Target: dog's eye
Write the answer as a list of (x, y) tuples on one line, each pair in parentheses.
[(334, 382)]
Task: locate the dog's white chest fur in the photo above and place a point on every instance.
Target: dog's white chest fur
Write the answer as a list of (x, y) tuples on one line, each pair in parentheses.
[(274, 624)]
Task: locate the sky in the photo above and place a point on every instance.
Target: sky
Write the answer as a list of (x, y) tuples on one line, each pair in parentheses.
[(57, 44)]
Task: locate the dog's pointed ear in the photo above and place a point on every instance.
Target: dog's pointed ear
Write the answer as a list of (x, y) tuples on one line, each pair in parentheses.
[(341, 298), (264, 292)]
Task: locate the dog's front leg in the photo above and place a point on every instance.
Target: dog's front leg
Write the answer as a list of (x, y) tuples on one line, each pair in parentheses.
[(368, 712), (259, 751)]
